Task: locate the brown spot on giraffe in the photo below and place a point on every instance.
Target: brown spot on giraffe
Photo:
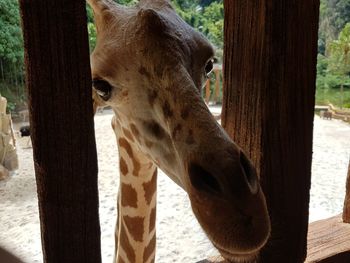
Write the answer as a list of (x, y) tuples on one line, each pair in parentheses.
[(167, 111), (149, 249), (128, 134), (128, 196), (190, 139), (152, 220), (176, 131), (125, 144), (125, 244), (125, 93), (185, 112), (135, 227), (152, 96), (143, 71), (155, 129), (150, 187), (123, 166), (134, 130), (137, 167)]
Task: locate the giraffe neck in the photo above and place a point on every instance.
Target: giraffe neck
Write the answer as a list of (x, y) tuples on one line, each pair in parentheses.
[(135, 230)]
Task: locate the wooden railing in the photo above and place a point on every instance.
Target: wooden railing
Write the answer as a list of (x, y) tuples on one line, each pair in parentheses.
[(217, 73)]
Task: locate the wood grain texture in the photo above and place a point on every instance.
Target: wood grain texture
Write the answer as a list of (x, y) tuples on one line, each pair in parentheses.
[(217, 259), (268, 107), (346, 210), (58, 80), (329, 241)]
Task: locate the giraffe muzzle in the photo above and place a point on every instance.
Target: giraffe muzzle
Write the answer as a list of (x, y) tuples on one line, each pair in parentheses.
[(230, 180), (227, 200)]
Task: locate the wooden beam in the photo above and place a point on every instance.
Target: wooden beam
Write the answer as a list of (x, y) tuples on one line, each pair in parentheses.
[(328, 241), (346, 210), (217, 85), (207, 91), (217, 259), (58, 80), (268, 107)]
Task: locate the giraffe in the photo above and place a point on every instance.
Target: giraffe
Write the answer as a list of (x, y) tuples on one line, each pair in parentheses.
[(149, 66)]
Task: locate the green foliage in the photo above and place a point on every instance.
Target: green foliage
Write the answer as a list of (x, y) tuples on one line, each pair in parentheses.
[(11, 49), (339, 53), (333, 66), (206, 16), (326, 96), (10, 93), (334, 14), (92, 36), (126, 2), (11, 52)]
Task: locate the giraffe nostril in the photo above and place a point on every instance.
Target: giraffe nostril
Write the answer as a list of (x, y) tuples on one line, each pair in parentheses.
[(203, 180), (249, 173)]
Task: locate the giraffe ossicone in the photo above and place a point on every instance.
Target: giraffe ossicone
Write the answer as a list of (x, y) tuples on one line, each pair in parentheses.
[(149, 66)]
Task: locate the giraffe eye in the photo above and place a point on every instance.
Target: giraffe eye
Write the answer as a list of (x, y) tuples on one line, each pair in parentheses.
[(102, 88), (209, 67)]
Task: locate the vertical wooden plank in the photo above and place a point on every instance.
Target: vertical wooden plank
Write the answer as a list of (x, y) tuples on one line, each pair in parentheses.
[(217, 85), (61, 118), (270, 71), (207, 91), (346, 210)]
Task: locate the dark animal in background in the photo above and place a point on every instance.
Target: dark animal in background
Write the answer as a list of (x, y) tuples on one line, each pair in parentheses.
[(25, 131), (326, 115)]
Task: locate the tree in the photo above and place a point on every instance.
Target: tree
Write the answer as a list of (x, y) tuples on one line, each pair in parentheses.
[(11, 43), (339, 57), (334, 14), (11, 53)]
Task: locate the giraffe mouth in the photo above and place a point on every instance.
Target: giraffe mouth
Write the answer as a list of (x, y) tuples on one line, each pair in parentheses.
[(238, 257)]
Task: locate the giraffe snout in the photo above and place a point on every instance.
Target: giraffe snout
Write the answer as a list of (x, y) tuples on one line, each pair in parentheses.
[(224, 175), (228, 202)]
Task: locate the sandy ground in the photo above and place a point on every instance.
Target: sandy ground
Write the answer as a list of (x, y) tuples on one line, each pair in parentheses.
[(179, 239)]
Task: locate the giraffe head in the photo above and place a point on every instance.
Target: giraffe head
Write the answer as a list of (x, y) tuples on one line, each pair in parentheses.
[(150, 66)]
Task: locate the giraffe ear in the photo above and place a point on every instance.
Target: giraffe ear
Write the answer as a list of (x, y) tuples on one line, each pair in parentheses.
[(99, 6), (152, 21), (104, 12)]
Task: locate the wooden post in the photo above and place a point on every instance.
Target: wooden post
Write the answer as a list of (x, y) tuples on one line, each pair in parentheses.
[(217, 85), (59, 89), (268, 108), (207, 91), (346, 210)]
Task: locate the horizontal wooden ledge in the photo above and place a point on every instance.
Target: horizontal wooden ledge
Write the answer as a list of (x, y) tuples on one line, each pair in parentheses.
[(328, 241), (217, 259)]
